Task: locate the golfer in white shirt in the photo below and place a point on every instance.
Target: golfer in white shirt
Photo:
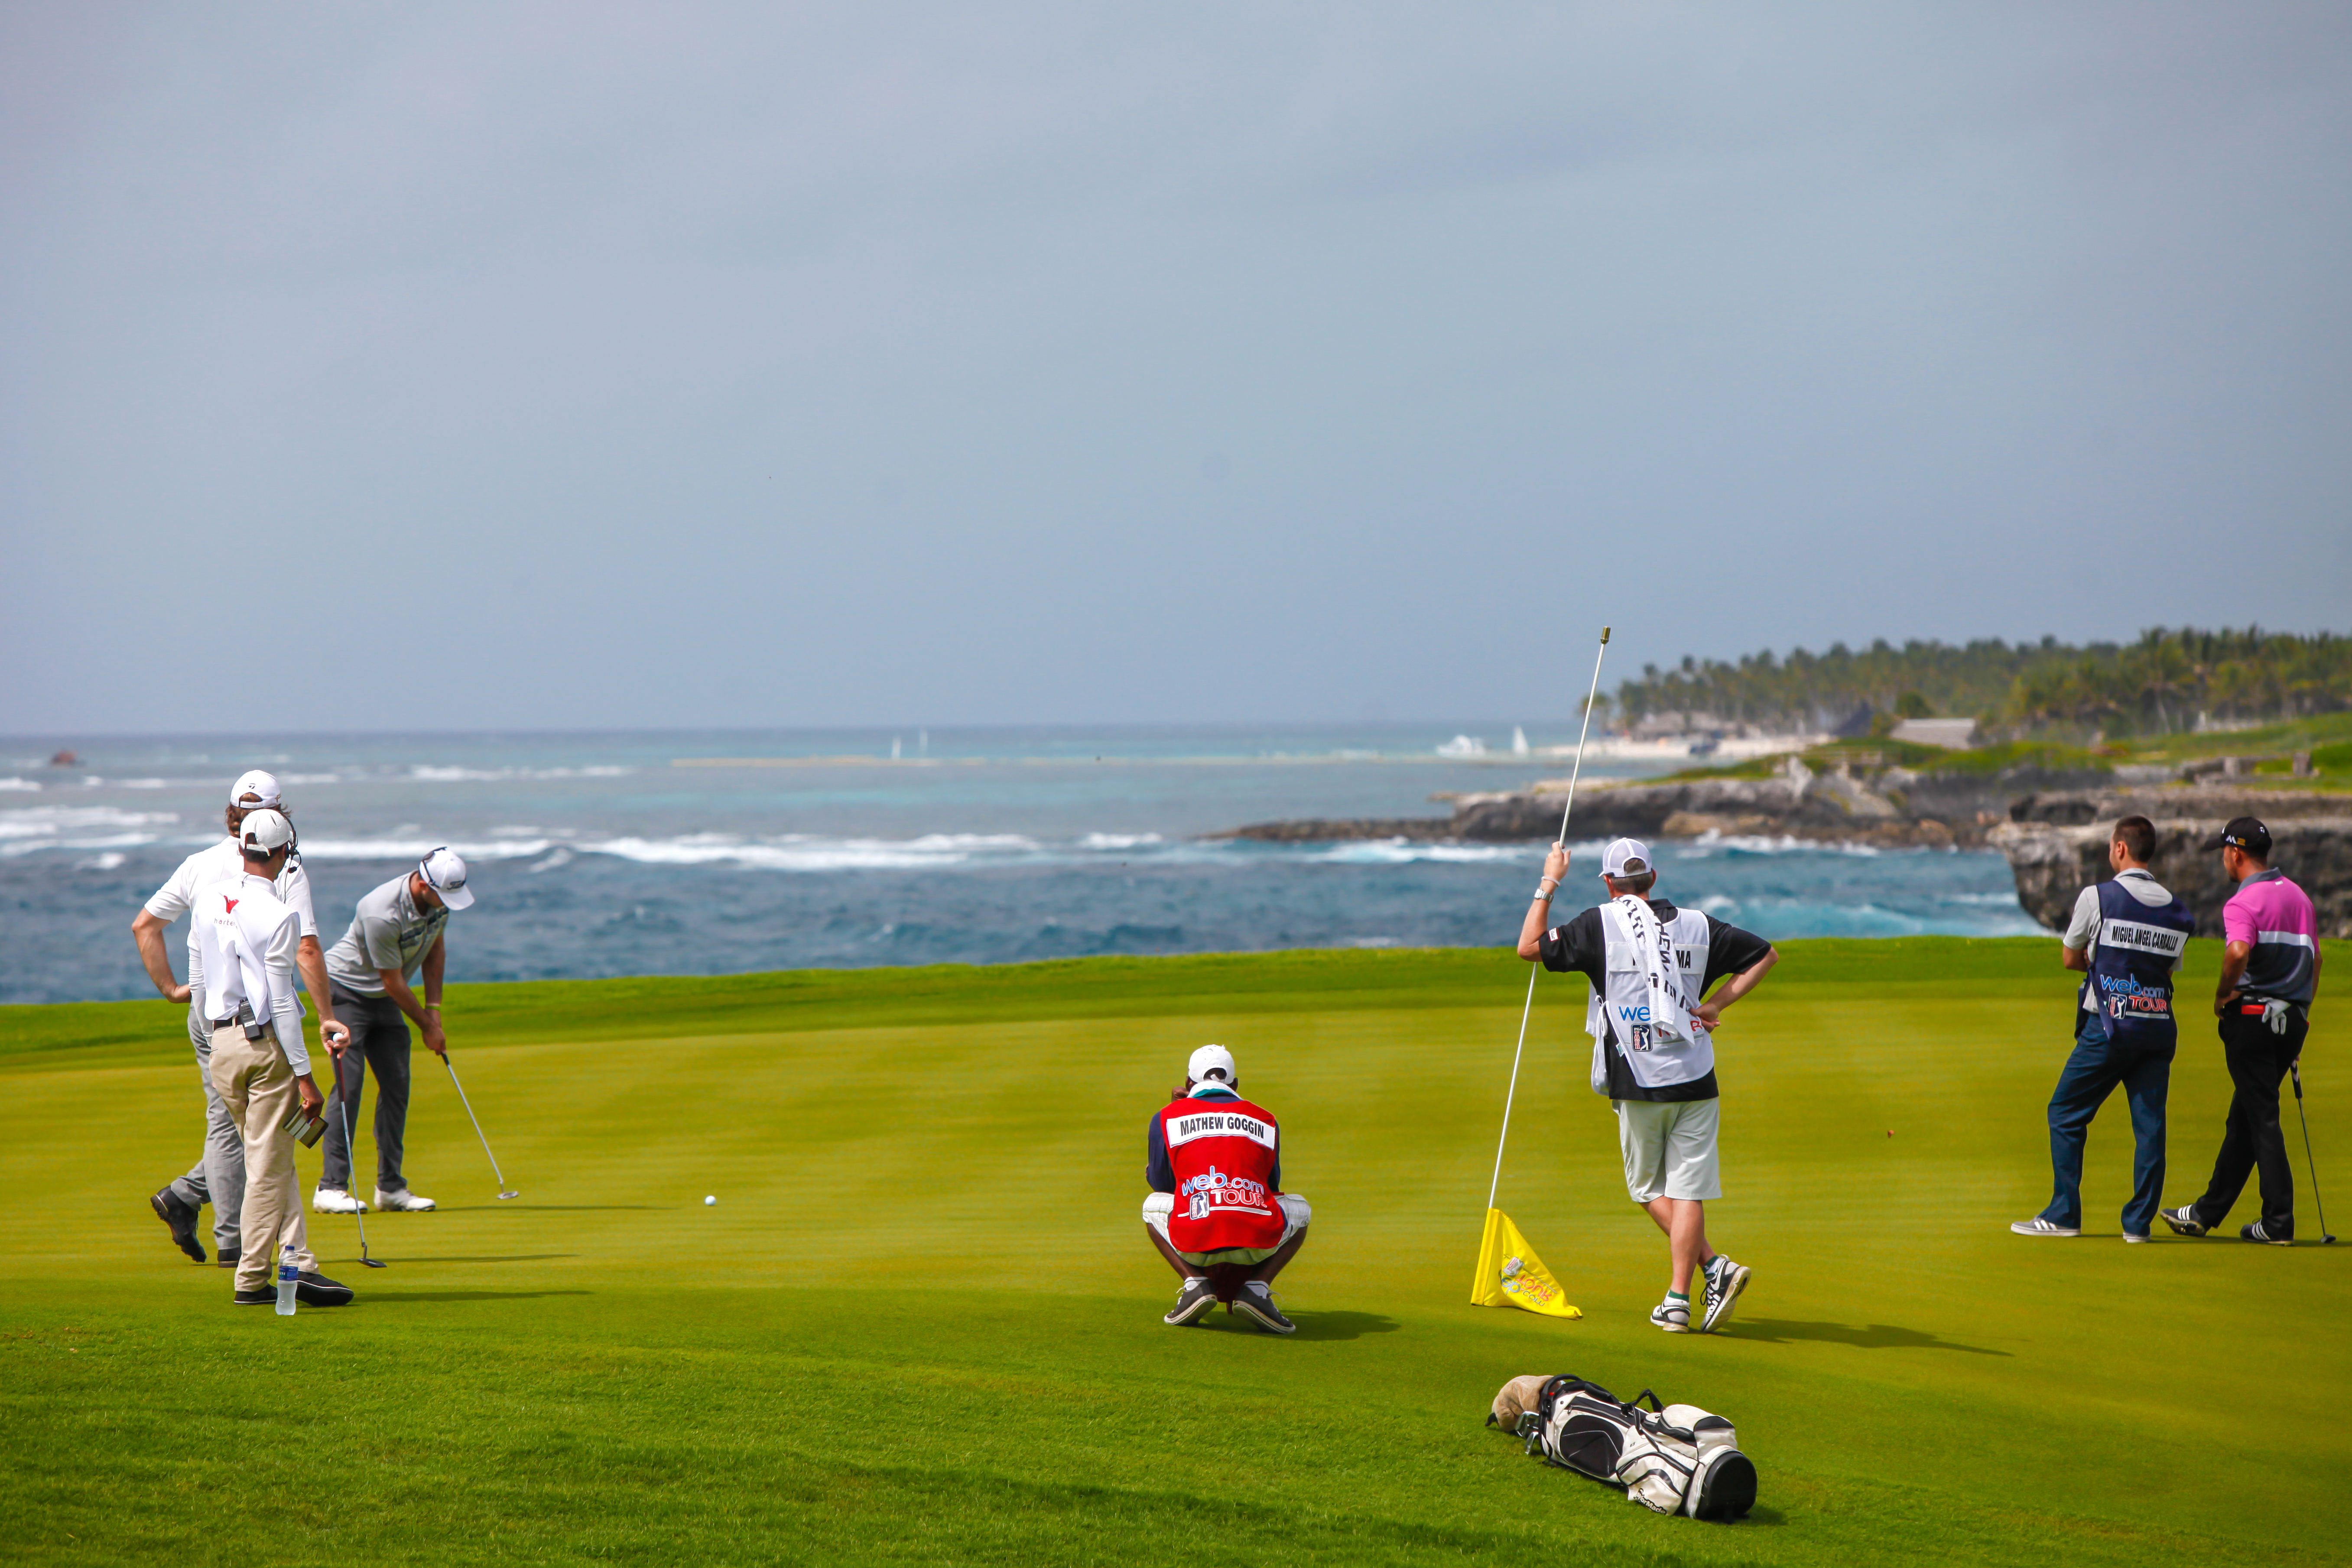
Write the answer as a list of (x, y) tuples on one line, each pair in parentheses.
[(261, 1069), (219, 1175)]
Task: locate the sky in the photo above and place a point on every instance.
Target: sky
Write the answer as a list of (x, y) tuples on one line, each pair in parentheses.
[(570, 365)]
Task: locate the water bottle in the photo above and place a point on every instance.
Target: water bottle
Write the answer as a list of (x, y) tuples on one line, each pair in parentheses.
[(288, 1276)]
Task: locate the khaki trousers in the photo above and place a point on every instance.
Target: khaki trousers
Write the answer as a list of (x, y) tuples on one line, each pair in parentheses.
[(254, 1079)]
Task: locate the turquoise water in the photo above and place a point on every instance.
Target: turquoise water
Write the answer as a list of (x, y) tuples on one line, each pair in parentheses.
[(598, 855)]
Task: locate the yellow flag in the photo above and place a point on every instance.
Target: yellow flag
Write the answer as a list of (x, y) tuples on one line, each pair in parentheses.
[(1511, 1275)]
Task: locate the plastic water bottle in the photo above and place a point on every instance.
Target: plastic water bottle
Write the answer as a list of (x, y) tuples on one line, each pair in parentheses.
[(288, 1277)]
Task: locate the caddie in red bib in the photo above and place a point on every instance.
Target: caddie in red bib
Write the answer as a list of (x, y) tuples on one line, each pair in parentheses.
[(1217, 1212)]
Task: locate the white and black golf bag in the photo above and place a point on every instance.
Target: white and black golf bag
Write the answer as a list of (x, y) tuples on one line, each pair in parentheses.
[(1674, 1458)]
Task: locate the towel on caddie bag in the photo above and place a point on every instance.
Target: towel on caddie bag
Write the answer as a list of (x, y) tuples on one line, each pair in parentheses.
[(1671, 1458)]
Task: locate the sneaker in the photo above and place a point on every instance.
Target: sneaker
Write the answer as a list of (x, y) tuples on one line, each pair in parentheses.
[(314, 1289), (1196, 1297), (267, 1296), (2263, 1230), (2129, 1237), (1672, 1316), (1724, 1281), (403, 1200), (335, 1200), (183, 1221), (1255, 1302), (2183, 1220), (2037, 1225), (228, 1257)]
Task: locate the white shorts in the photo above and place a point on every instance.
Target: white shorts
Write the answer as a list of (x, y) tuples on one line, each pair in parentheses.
[(1158, 1207), (1669, 1148)]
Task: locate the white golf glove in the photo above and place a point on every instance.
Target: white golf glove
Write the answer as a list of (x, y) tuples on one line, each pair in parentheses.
[(2275, 1014)]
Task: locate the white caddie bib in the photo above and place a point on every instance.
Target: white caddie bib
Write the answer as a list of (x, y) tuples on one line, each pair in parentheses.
[(1658, 1043)]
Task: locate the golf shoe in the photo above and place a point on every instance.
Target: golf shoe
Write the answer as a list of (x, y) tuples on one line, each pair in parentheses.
[(183, 1221), (1255, 1302), (2183, 1220), (1672, 1316), (335, 1200), (403, 1201), (2037, 1225), (1724, 1281), (1196, 1297)]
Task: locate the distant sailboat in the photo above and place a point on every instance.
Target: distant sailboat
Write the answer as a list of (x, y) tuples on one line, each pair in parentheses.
[(894, 748), (1518, 741)]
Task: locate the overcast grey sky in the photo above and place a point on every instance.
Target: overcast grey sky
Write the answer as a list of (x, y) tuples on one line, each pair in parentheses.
[(427, 366)]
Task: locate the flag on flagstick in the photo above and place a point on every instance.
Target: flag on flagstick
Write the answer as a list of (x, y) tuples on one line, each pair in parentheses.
[(1511, 1275)]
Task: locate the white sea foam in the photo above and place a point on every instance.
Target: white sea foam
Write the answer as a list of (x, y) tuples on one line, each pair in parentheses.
[(430, 773), (111, 862), (28, 784), (44, 827), (1767, 843), (800, 852), (144, 783), (1405, 851), (406, 848), (1118, 840)]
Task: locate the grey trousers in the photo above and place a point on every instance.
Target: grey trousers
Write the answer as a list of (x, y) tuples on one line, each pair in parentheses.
[(379, 1040), (219, 1175)]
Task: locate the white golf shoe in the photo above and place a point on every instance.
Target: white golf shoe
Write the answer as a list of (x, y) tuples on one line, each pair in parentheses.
[(335, 1200), (2037, 1225), (402, 1201)]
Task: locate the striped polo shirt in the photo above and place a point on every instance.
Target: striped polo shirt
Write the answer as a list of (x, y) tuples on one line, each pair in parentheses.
[(2276, 917)]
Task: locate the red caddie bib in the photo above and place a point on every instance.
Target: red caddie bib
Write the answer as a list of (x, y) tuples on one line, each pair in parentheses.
[(1224, 1152)]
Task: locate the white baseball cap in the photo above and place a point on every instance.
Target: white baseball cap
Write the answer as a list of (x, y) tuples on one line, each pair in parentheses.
[(1211, 1059), (263, 831), (444, 870), (1626, 858), (262, 786)]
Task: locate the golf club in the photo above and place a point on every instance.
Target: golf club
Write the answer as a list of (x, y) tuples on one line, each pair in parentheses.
[(503, 1194), (353, 1154), (1535, 969), (2295, 1071)]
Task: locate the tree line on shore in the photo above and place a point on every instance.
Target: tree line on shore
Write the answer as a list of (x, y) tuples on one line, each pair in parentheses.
[(2168, 681)]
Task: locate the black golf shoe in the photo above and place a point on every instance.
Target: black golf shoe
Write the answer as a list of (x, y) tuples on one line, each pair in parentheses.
[(265, 1297), (1255, 1302), (1196, 1297), (2269, 1231), (228, 1258), (183, 1221), (318, 1291), (2183, 1220)]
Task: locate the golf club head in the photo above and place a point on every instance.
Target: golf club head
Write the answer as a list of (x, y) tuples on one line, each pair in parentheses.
[(372, 1263), (504, 1196)]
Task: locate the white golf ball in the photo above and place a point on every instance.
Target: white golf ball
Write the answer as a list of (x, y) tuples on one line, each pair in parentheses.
[(708, 1202)]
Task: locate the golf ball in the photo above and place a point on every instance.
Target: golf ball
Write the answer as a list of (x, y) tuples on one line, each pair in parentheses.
[(708, 1201)]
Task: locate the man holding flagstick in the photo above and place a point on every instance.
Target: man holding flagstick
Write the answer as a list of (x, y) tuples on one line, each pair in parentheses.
[(1650, 965)]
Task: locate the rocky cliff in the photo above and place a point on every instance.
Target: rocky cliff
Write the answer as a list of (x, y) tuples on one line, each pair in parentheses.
[(2057, 844)]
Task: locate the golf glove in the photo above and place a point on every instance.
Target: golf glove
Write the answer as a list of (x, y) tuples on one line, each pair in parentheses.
[(2275, 1014)]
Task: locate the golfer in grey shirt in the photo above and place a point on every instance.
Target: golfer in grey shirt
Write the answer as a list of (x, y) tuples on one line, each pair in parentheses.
[(396, 933)]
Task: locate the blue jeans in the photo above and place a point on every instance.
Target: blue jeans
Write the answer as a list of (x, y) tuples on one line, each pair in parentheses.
[(2092, 1074)]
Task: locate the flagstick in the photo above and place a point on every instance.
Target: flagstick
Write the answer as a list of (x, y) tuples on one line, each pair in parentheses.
[(1533, 970)]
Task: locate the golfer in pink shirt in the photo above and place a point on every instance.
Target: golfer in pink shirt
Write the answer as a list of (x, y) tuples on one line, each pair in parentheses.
[(2270, 973)]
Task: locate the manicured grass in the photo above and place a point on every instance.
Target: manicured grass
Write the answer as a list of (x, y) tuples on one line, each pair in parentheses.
[(920, 1325)]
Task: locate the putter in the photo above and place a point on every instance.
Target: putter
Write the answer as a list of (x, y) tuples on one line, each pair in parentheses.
[(2295, 1071), (503, 1194), (352, 1155)]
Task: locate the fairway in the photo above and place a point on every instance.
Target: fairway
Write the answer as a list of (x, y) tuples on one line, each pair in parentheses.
[(921, 1324)]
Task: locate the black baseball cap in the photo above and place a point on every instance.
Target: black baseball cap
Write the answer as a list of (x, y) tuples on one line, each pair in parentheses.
[(2247, 833)]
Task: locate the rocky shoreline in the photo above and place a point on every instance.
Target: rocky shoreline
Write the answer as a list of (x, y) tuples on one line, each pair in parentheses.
[(2051, 826)]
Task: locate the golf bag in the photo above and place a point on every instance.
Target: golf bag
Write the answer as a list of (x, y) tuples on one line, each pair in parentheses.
[(1674, 1458)]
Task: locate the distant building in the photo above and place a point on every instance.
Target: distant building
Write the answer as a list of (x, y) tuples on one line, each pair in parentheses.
[(1952, 734)]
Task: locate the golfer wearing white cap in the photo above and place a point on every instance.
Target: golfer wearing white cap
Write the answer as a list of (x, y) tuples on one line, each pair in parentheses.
[(259, 1068), (1217, 1212), (395, 934), (219, 1175), (1653, 1049)]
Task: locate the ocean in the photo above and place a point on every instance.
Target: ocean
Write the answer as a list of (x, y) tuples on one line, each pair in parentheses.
[(721, 852)]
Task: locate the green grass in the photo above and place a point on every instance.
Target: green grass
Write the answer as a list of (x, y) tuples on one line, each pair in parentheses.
[(921, 1324)]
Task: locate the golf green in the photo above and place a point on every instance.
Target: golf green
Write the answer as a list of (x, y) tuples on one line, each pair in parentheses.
[(921, 1322)]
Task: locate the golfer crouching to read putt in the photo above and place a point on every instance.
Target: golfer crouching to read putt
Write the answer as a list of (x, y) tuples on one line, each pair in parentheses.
[(259, 1068), (1652, 1056), (1217, 1212)]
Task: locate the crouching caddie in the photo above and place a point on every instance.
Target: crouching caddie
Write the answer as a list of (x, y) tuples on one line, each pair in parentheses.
[(1217, 1212), (259, 1068)]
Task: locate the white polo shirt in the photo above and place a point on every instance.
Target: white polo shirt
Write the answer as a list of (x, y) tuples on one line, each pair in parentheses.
[(223, 860), (248, 938)]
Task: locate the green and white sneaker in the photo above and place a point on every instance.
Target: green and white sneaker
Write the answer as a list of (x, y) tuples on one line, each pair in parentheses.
[(1672, 1316), (1724, 1281)]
